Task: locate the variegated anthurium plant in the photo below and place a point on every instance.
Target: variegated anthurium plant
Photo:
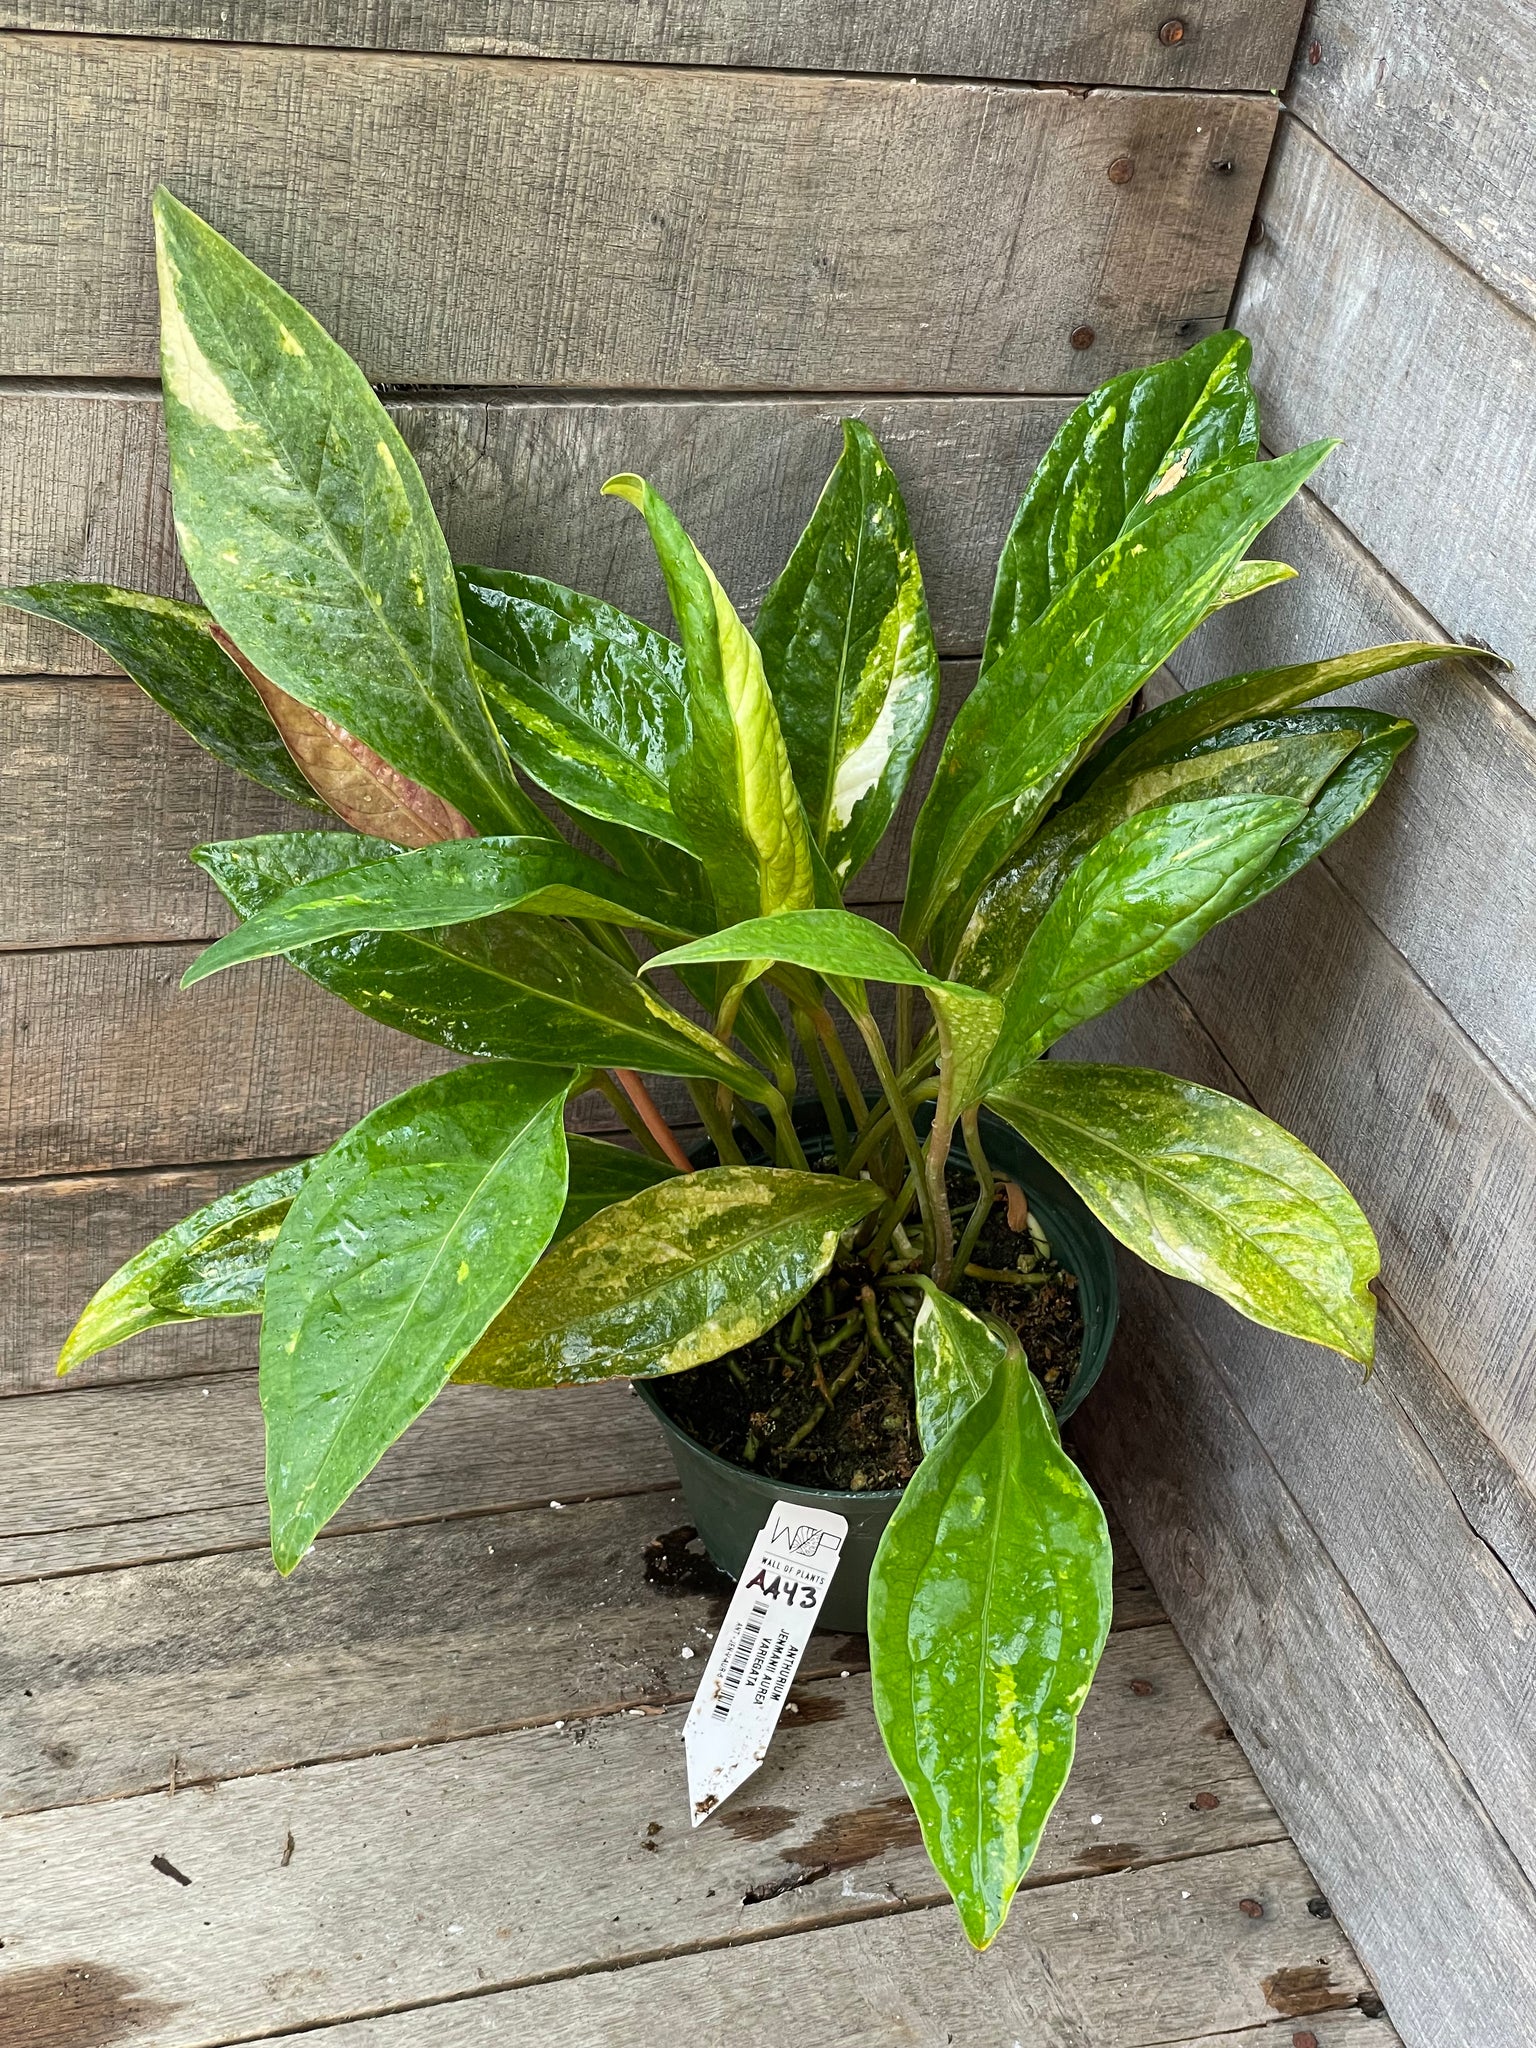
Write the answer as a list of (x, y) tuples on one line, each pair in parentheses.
[(734, 783)]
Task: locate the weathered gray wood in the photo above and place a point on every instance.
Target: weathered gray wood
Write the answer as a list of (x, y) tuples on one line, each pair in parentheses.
[(1444, 862), (120, 1475), (462, 1866), (1439, 1545), (1366, 328), (1432, 104), (60, 1239), (109, 1063), (465, 222), (1226, 42), (1339, 1040), (1118, 1962), (1397, 1839), (422, 1634), (84, 492), (106, 795)]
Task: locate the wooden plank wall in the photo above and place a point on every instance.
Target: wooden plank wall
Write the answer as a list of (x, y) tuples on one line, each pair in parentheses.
[(686, 239), (1355, 1567), (571, 239)]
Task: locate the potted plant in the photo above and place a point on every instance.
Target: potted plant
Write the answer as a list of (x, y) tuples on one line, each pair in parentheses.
[(882, 1257)]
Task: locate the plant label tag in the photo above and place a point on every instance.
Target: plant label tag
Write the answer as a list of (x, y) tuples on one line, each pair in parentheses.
[(758, 1650)]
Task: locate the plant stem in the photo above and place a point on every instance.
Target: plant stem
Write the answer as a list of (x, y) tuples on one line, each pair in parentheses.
[(939, 1138), (871, 1308), (652, 1118), (821, 1413), (826, 1094), (716, 1120), (894, 1211), (789, 1148), (627, 1114), (982, 1167), (754, 1127), (903, 1026), (837, 1053), (869, 1031)]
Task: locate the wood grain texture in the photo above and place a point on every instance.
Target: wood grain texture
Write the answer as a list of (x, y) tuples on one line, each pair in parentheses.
[(1444, 862), (686, 230), (120, 1475), (1366, 328), (1339, 1041), (1226, 43), (843, 1973), (1439, 1547), (430, 1634), (465, 1866), (1377, 1804), (84, 493), (104, 796), (1118, 1961), (1432, 104)]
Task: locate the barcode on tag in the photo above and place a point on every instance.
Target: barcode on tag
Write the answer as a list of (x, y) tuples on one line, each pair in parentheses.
[(741, 1657), (758, 1650)]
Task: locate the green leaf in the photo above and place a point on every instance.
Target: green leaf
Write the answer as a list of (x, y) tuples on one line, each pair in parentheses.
[(509, 987), (1248, 579), (850, 949), (444, 885), (1169, 730), (591, 703), (733, 790), (672, 1278), (1344, 797), (1059, 681), (1266, 758), (602, 1174), (849, 655), (307, 528), (1130, 908), (169, 651), (989, 1604), (954, 1357), (212, 1263), (1204, 1188), (404, 1242), (1184, 420)]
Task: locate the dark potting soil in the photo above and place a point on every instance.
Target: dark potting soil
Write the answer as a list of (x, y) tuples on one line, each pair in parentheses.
[(766, 1405)]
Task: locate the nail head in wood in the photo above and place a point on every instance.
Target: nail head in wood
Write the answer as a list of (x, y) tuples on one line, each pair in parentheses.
[(1172, 31), (1223, 166), (1082, 337), (1121, 171), (1251, 1907)]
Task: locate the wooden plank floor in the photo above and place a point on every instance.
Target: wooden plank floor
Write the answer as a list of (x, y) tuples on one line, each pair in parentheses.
[(429, 1793)]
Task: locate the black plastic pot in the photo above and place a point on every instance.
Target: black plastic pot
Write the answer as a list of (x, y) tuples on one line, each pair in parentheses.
[(729, 1503)]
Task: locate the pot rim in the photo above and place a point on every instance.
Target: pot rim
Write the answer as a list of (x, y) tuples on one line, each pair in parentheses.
[(809, 1109), (644, 1390)]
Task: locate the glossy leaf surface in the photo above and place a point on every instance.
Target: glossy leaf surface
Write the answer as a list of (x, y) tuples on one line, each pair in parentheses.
[(440, 886), (1059, 681), (591, 703), (212, 1263), (954, 1357), (989, 1604), (1347, 793), (1203, 1187), (405, 1240), (170, 652), (733, 790), (307, 528), (602, 1174), (1142, 897), (672, 1278), (1170, 729), (510, 987), (848, 948), (1142, 435), (849, 655), (1262, 762)]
